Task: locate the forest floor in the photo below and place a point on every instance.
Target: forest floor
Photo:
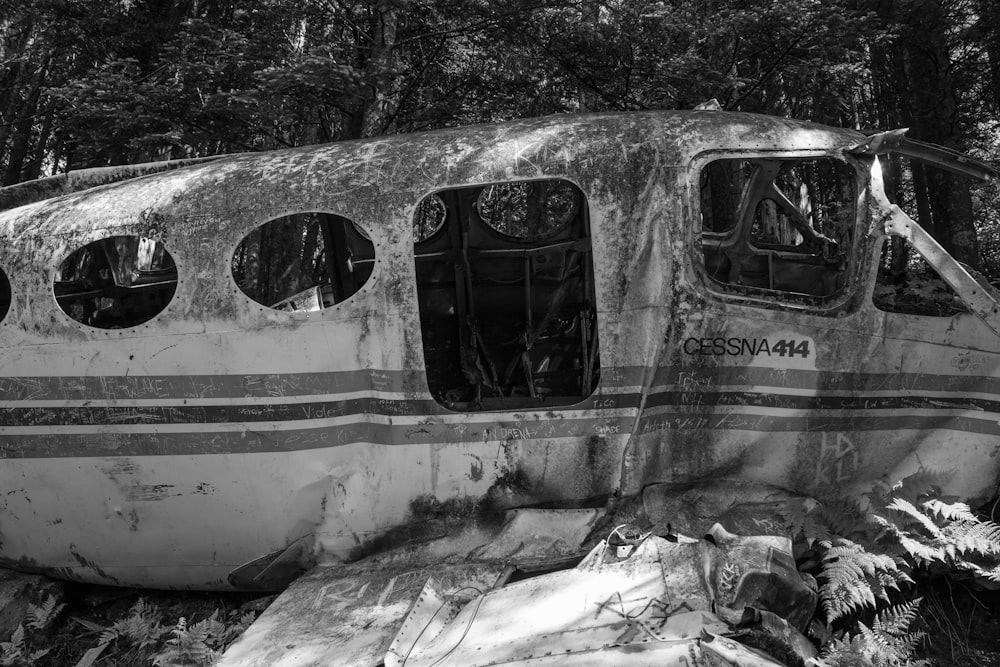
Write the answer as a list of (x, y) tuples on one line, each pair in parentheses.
[(146, 623), (962, 627)]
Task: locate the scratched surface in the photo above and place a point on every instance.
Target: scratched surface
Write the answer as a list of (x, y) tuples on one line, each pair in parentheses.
[(347, 618), (229, 431)]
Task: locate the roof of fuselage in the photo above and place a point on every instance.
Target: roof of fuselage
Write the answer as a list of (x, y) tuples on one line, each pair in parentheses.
[(422, 161)]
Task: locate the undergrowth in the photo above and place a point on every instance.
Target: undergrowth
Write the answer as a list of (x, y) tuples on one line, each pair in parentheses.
[(872, 557), (142, 639), (138, 638), (20, 649)]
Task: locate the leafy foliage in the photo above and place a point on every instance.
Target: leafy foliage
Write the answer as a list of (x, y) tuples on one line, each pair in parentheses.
[(141, 627), (886, 643), (39, 617), (855, 578), (872, 550), (892, 532), (128, 82), (17, 651), (141, 637), (199, 645)]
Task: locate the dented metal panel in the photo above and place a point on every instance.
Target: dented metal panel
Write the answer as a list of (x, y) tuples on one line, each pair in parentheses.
[(225, 439), (651, 602)]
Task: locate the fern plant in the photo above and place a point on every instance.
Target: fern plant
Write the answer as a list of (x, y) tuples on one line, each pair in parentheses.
[(855, 579), (139, 638), (141, 627), (17, 652), (200, 644), (887, 643), (189, 645), (947, 535), (40, 616), (874, 545), (869, 553)]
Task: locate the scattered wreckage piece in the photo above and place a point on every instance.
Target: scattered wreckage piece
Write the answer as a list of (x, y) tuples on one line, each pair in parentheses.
[(633, 599), (648, 603), (693, 509), (345, 616), (351, 612), (265, 358)]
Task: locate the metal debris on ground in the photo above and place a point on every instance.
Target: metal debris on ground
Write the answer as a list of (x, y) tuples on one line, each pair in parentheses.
[(642, 600), (515, 598)]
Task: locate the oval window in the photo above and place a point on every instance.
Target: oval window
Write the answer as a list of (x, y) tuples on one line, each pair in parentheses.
[(528, 210), (117, 282), (430, 217), (4, 295), (303, 262)]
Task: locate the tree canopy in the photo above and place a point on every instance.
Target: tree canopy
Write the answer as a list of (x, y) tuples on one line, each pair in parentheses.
[(87, 83)]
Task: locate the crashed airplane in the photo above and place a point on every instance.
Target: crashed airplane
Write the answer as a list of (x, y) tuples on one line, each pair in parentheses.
[(212, 371)]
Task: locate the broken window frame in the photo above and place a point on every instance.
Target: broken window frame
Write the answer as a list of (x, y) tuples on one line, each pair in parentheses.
[(334, 263), (777, 299), (100, 287), (890, 220), (470, 366)]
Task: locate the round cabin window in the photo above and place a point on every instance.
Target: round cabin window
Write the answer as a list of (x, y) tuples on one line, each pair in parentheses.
[(4, 295), (116, 282), (528, 210), (303, 262)]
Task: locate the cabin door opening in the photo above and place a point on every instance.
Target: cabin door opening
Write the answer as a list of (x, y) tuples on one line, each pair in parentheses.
[(505, 285)]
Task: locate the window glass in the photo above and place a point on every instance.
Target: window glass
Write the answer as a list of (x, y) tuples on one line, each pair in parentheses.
[(4, 295), (506, 297), (303, 262), (782, 228), (116, 282)]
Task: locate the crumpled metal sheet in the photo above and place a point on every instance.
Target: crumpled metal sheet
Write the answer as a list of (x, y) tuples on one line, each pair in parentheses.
[(647, 603), (348, 614), (539, 536)]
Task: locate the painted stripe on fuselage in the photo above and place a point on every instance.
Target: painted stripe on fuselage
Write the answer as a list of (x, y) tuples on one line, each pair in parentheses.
[(255, 412), (297, 436), (754, 421), (713, 377), (276, 386), (820, 401), (129, 416), (124, 388)]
